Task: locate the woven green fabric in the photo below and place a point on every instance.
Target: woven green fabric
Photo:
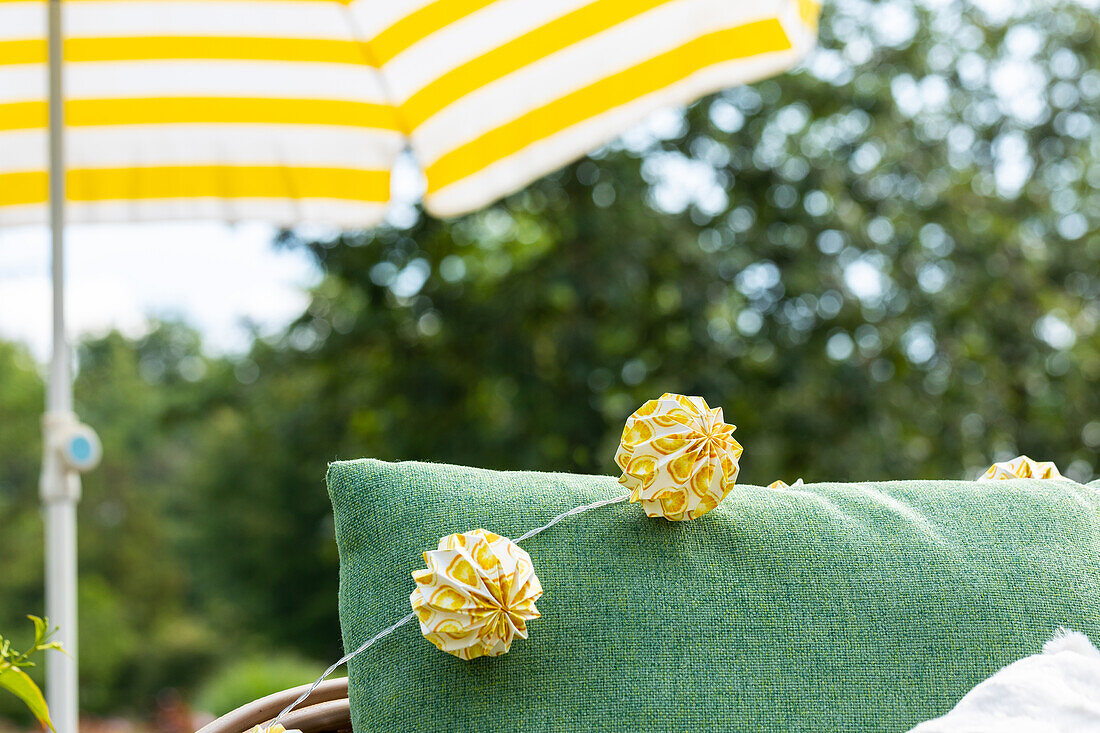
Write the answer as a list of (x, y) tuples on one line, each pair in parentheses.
[(831, 607)]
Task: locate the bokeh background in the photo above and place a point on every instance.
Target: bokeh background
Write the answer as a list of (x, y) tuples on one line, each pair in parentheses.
[(883, 265)]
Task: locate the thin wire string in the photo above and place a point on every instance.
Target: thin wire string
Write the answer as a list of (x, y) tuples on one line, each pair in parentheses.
[(570, 513), (346, 658), (394, 627)]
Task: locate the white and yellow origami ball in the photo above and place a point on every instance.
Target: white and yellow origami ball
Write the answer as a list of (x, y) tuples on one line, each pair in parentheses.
[(1020, 467), (678, 457), (477, 594)]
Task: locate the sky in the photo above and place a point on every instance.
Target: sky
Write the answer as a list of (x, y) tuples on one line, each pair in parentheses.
[(215, 276)]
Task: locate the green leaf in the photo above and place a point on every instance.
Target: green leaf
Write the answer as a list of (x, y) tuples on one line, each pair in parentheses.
[(40, 628), (19, 684)]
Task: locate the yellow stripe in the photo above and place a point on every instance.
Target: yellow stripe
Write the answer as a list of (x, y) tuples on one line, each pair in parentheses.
[(23, 115), (528, 48), (421, 24), (23, 188), (31, 51), (743, 41), (180, 110), (148, 48), (226, 182)]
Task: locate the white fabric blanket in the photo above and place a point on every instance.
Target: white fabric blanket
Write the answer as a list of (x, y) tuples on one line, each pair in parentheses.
[(1057, 691)]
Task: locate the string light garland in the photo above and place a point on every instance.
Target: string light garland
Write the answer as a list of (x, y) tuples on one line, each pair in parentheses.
[(478, 591)]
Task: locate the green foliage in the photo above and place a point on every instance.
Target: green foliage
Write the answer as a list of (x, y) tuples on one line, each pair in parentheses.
[(138, 633), (250, 678), (13, 664), (21, 400), (883, 265)]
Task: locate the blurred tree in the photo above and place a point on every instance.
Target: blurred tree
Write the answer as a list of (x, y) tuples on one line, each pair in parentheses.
[(136, 636), (134, 632), (21, 399)]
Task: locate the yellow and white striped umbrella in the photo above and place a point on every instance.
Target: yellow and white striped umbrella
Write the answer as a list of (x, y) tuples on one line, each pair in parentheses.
[(295, 110)]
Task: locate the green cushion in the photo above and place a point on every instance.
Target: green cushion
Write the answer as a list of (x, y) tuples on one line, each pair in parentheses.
[(830, 607)]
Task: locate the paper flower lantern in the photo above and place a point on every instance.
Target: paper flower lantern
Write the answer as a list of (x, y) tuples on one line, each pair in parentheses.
[(781, 484), (1020, 467), (678, 457), (477, 594)]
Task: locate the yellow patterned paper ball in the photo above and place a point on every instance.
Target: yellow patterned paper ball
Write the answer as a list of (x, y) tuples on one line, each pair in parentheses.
[(1020, 467), (477, 594), (678, 457)]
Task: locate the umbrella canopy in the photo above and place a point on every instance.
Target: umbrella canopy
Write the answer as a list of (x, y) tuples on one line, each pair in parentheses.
[(295, 110)]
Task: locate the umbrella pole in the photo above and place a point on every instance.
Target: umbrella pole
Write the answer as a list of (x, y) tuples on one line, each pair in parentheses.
[(60, 484)]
